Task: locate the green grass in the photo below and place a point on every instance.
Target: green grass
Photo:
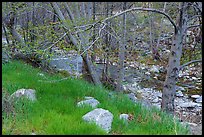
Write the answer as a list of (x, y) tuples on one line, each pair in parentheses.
[(55, 111)]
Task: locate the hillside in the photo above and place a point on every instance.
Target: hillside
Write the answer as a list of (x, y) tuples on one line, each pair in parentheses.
[(55, 111)]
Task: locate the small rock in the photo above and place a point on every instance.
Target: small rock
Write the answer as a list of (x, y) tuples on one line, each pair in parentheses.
[(183, 123), (155, 77), (189, 105), (158, 105), (139, 91), (192, 124), (180, 74), (194, 78), (124, 87), (124, 117), (178, 101), (28, 93), (147, 73), (88, 97), (132, 97), (101, 117), (195, 96), (41, 74), (179, 94), (199, 100), (154, 69), (159, 94), (180, 88), (5, 57), (146, 103), (92, 102), (197, 87), (155, 100)]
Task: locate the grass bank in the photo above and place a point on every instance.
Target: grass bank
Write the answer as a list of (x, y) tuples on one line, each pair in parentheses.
[(55, 111)]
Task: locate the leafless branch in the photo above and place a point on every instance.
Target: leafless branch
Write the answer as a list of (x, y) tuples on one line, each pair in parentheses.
[(188, 63), (90, 46), (55, 42), (143, 9), (193, 26), (104, 25), (129, 10), (196, 16)]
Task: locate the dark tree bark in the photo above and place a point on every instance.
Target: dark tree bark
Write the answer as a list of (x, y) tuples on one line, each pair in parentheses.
[(169, 89)]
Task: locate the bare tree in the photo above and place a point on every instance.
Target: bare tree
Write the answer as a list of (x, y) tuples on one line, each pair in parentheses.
[(121, 55), (169, 89)]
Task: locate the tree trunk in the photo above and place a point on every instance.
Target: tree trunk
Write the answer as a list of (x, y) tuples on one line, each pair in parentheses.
[(93, 56), (105, 71), (169, 89), (6, 34), (161, 25), (10, 25), (121, 55), (85, 56)]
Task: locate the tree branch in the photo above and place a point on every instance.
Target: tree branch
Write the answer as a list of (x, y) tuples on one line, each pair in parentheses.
[(143, 9), (188, 63), (193, 26), (196, 16), (133, 9), (55, 42), (89, 46)]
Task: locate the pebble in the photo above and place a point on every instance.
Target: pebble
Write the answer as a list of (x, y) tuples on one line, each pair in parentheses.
[(179, 94), (189, 105), (199, 100), (124, 116), (192, 124), (132, 97), (159, 94), (194, 78), (195, 96), (154, 69), (180, 88), (147, 73), (155, 100), (88, 97)]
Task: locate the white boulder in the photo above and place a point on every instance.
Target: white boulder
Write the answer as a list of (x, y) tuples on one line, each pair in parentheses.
[(28, 93), (101, 117)]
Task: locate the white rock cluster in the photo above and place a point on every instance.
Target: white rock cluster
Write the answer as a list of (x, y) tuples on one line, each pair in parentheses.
[(103, 118)]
